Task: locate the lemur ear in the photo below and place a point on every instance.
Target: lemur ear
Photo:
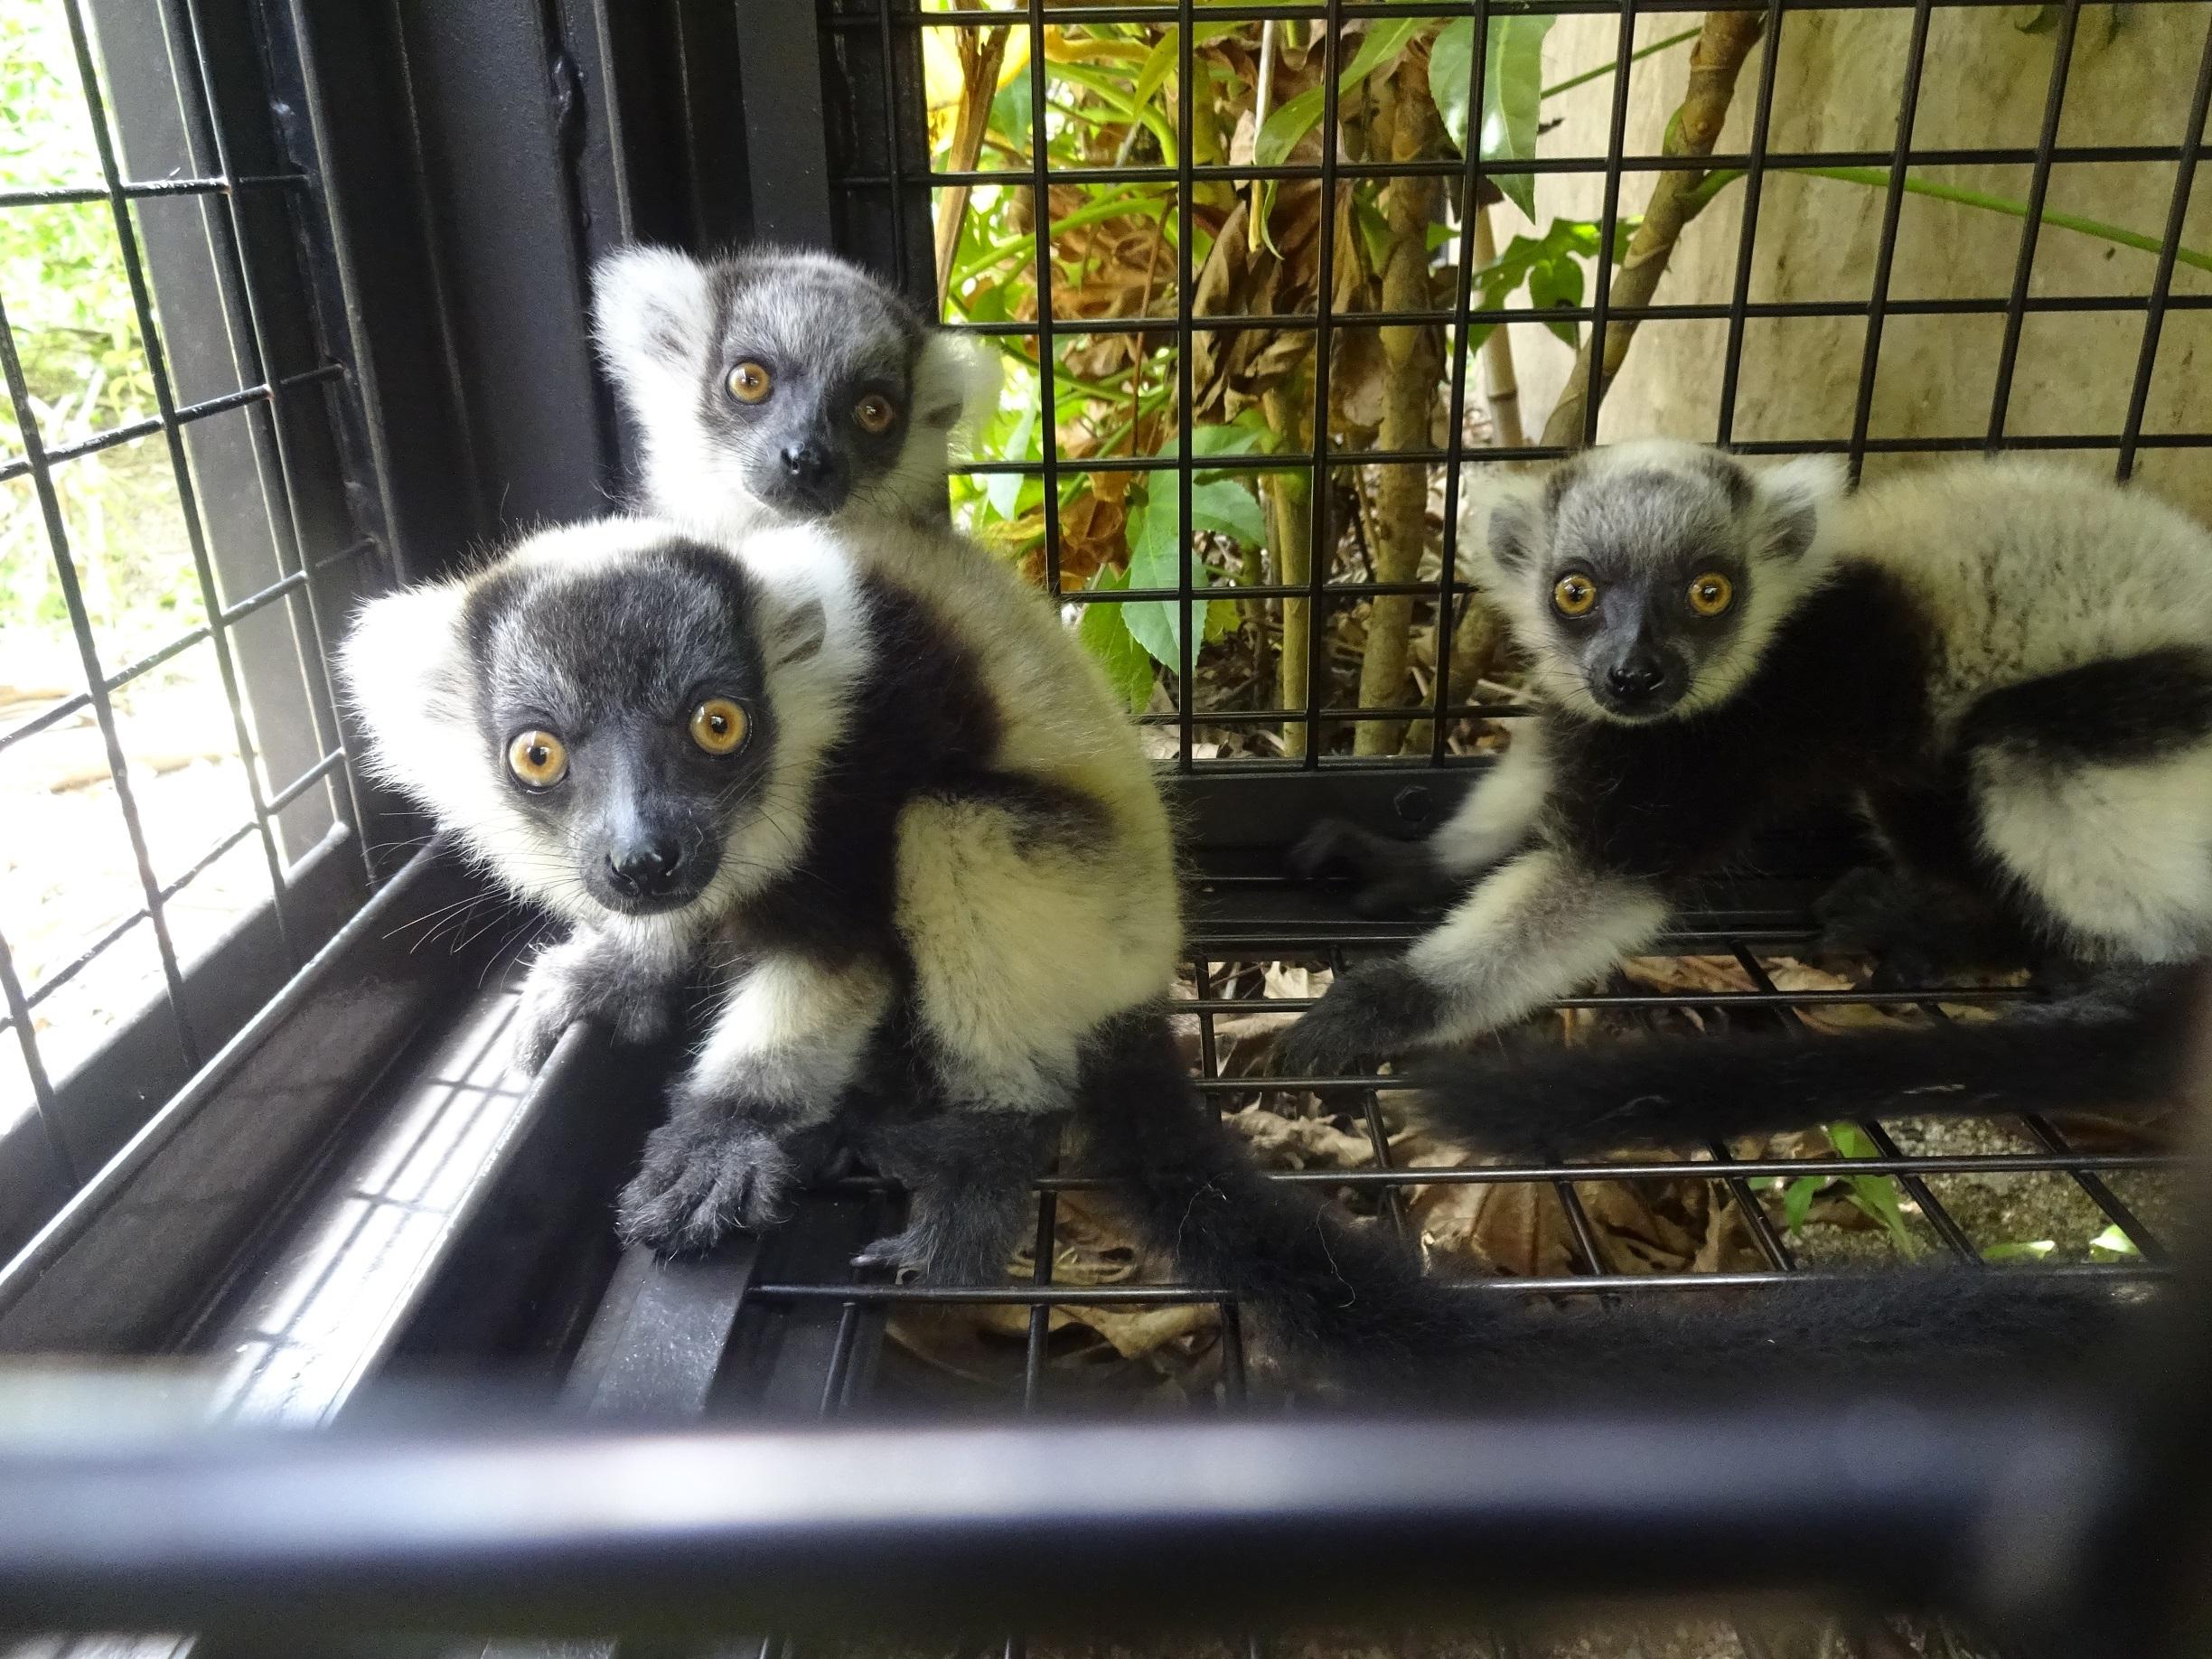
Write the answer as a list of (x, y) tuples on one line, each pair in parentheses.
[(1790, 497), (956, 383), (404, 667), (652, 314), (1516, 528), (798, 633)]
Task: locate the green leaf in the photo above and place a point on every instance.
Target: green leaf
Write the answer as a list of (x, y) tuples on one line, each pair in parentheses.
[(1229, 508), (1878, 1198), (1556, 283), (1874, 1196), (1241, 437), (1512, 93), (1158, 548), (1104, 632), (1158, 66), (1279, 135), (2113, 1244), (1003, 490), (1851, 1141), (1373, 228), (1797, 1201), (1448, 67), (1010, 112), (2034, 1251)]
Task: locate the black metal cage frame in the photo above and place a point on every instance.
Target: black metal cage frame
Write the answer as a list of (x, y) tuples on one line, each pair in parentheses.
[(327, 1178)]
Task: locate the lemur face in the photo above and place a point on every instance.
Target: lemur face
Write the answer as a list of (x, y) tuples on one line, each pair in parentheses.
[(788, 384), (615, 719), (808, 398), (624, 710), (1644, 579)]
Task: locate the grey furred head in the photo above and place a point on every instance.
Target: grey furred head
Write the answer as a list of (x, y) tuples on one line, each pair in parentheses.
[(615, 718), (1645, 579), (779, 386)]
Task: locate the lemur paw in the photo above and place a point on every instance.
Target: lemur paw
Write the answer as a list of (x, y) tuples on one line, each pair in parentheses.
[(947, 1245), (1389, 877), (1374, 1012), (700, 1179), (583, 978)]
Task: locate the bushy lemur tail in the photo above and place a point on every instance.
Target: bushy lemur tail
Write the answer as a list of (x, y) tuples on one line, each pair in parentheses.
[(2117, 1048), (1347, 1299)]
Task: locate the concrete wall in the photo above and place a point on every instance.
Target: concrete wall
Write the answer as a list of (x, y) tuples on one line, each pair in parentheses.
[(1837, 88)]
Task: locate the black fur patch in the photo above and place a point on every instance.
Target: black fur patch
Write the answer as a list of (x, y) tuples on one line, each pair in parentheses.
[(2121, 1047), (922, 724), (1836, 706), (1343, 1293), (2127, 708)]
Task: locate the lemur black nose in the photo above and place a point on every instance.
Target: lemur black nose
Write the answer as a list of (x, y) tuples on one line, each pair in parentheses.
[(645, 870), (1635, 679), (809, 463)]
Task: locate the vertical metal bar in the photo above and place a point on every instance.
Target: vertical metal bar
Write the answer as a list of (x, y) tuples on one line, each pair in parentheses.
[(2161, 284), (841, 1358), (188, 505), (1623, 59), (42, 1086), (1186, 412), (1769, 1241), (1393, 1195), (1232, 1353), (2023, 270), (896, 167), (1040, 214), (1318, 538), (1578, 1225), (779, 67), (96, 679), (1209, 1053), (1040, 1316), (1755, 180), (271, 431), (1455, 443), (1885, 255)]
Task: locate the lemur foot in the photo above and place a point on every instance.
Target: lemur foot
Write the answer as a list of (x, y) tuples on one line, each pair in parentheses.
[(1389, 877), (584, 977), (703, 1174), (1373, 1012), (1921, 931), (967, 1176), (944, 1250)]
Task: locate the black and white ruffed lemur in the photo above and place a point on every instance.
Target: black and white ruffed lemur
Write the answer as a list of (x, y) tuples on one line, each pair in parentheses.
[(2006, 667), (885, 804)]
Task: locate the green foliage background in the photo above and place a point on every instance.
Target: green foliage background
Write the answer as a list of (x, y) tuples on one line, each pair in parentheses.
[(67, 302)]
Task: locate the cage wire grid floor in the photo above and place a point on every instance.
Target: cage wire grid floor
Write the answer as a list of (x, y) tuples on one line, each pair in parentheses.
[(789, 1327)]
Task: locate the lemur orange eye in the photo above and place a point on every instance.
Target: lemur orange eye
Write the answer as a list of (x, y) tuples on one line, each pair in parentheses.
[(538, 759), (1574, 594), (749, 382), (876, 415), (718, 726), (1711, 594)]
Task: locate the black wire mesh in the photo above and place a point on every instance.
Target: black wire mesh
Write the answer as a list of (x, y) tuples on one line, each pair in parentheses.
[(1245, 925), (880, 169), (239, 212)]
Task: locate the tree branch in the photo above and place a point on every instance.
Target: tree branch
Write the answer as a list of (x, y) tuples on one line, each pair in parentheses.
[(1408, 398), (1722, 44)]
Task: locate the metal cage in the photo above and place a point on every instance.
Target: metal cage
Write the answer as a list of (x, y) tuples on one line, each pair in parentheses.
[(305, 1179)]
